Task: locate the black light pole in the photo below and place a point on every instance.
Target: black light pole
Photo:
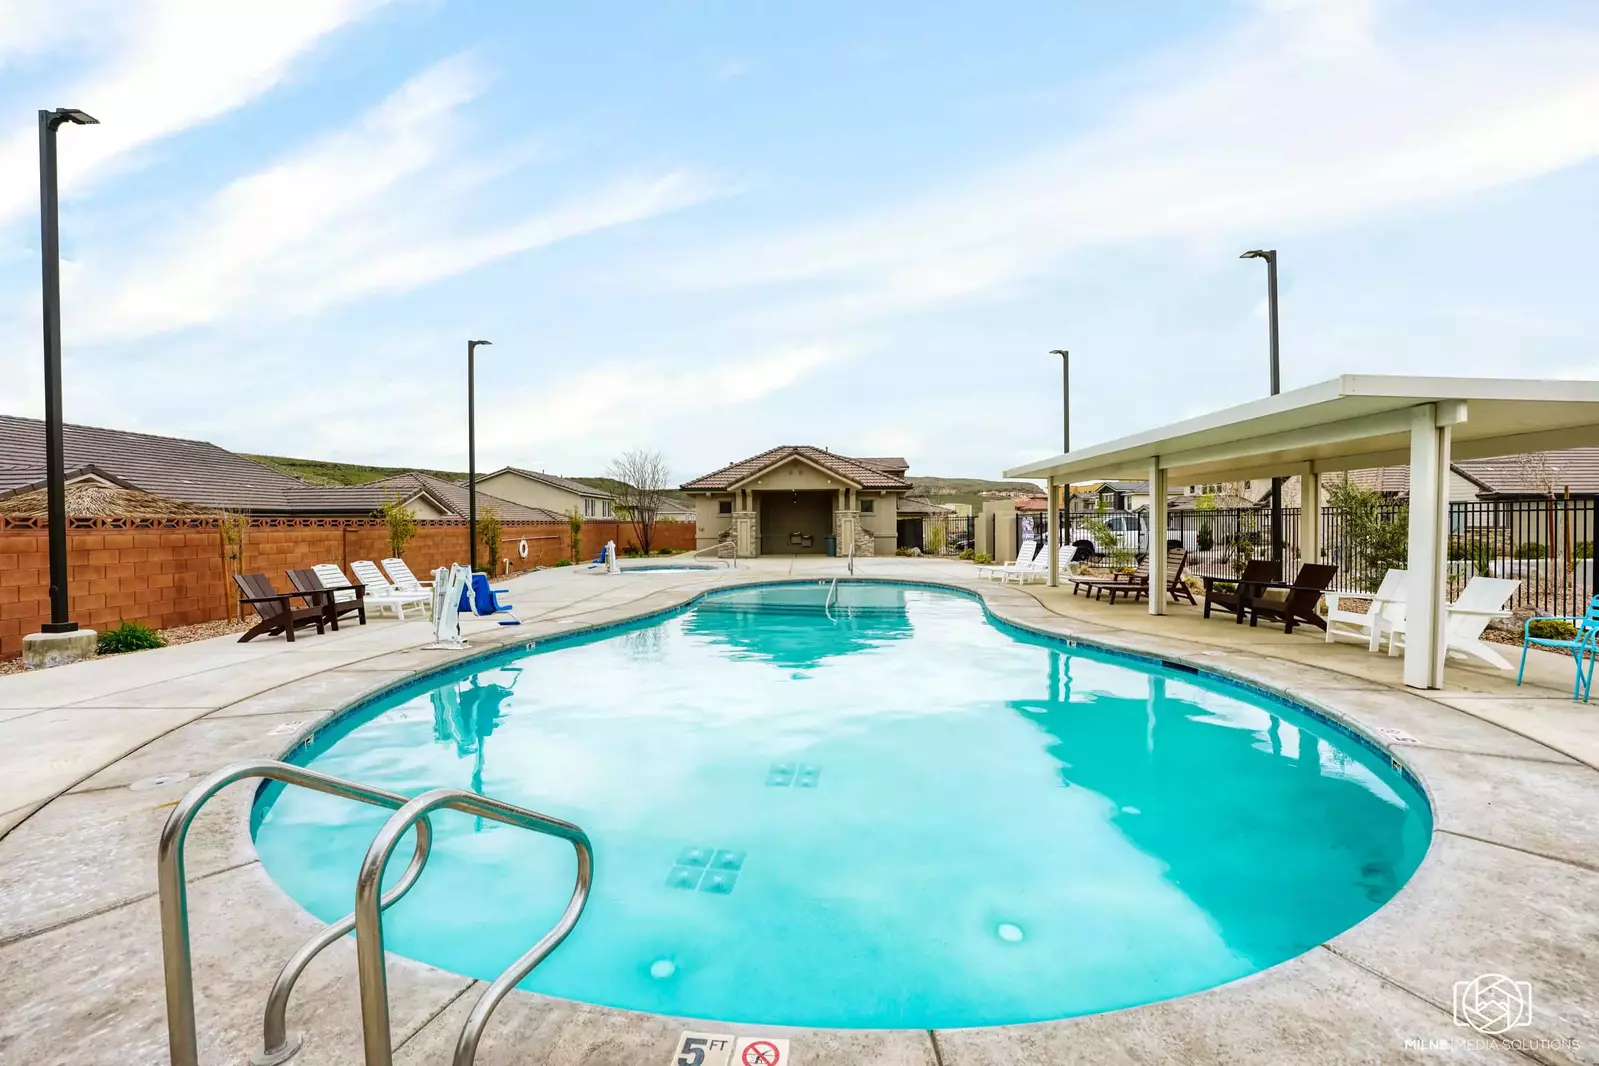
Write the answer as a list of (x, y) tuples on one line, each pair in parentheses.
[(54, 448), (1065, 397), (471, 452), (1270, 256), (1065, 415)]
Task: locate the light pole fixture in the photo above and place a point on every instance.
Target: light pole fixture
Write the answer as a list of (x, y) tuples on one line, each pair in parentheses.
[(1065, 413), (54, 447), (1065, 397), (1270, 256), (471, 453)]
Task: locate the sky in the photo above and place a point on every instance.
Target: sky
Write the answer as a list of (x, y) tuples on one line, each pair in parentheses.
[(709, 228)]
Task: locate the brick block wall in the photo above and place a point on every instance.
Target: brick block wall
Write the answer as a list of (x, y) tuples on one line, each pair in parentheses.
[(171, 577)]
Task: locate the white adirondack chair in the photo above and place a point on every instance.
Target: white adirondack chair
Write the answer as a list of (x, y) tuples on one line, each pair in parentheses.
[(1387, 604), (379, 593), (400, 577), (1481, 601), (1024, 557)]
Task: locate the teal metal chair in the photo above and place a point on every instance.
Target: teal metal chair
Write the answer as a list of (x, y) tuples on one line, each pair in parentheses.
[(1585, 645)]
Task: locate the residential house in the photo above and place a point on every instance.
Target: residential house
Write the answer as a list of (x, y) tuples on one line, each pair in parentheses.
[(206, 476), (675, 509), (534, 488), (792, 499)]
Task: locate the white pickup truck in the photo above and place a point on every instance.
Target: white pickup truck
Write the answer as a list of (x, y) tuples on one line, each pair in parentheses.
[(1129, 531)]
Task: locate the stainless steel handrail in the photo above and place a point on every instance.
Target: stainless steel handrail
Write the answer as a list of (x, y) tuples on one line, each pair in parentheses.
[(827, 604), (172, 892), (369, 918), (277, 1042), (852, 558), (732, 562)]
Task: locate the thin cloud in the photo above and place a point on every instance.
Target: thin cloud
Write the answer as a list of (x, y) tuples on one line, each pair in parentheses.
[(1308, 117), (381, 206), (161, 66)]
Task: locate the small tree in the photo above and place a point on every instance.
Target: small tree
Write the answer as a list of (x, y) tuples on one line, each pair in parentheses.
[(1375, 538), (231, 525), (644, 481), (574, 522), (489, 528), (401, 523)]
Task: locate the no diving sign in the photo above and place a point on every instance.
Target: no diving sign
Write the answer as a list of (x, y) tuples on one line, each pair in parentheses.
[(760, 1051), (725, 1049)]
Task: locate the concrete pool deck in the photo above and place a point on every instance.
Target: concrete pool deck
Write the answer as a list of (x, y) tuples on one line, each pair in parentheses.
[(1510, 886)]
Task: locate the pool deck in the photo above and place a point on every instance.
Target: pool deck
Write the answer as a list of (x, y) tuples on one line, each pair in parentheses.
[(1510, 886)]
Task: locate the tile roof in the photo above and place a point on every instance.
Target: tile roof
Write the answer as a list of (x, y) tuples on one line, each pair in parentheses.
[(909, 505), (555, 482), (192, 471), (859, 472), (203, 475), (1574, 468), (892, 464), (454, 497)]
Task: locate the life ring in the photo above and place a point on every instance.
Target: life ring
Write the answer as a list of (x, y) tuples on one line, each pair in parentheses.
[(521, 548)]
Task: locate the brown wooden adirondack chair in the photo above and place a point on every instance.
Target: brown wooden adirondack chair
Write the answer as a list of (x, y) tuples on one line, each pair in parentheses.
[(310, 583), (1296, 603), (1257, 573), (276, 609), (1139, 577), (1176, 560)]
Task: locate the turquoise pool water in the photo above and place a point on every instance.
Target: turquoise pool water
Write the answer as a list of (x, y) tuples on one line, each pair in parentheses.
[(895, 813)]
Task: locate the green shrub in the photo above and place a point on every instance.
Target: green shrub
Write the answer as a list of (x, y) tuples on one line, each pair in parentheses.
[(902, 551), (1552, 629), (129, 636), (1583, 549), (1530, 550), (563, 562), (1205, 538), (664, 551), (968, 554), (1475, 552), (981, 559)]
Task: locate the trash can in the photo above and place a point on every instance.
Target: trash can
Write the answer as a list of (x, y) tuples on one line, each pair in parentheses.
[(832, 546)]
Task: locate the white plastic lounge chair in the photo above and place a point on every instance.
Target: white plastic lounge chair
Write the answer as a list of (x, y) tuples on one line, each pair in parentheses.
[(1024, 557), (1037, 567), (379, 593), (400, 577), (1387, 604), (1481, 601)]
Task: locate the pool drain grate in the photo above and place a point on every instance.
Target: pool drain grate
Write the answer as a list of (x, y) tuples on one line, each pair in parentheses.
[(713, 870), (792, 775)]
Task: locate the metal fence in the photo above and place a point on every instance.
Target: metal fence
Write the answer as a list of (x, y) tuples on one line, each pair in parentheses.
[(1544, 544)]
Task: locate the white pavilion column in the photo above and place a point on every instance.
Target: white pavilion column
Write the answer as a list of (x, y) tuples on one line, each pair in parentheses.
[(1309, 517), (1429, 523), (1157, 537), (1051, 524)]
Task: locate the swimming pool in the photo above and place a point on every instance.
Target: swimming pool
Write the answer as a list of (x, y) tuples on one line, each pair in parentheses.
[(887, 812)]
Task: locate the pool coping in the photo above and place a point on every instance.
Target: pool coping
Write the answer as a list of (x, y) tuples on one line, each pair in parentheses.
[(1414, 1004)]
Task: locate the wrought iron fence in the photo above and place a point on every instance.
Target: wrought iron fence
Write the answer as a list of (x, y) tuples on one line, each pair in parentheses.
[(1546, 545)]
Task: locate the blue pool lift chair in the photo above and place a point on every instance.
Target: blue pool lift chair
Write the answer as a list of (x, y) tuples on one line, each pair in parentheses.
[(484, 601), (1584, 646)]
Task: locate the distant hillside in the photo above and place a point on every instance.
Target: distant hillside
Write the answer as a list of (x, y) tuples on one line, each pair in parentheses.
[(967, 486), (614, 487), (322, 472)]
